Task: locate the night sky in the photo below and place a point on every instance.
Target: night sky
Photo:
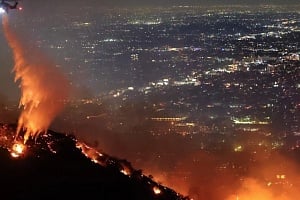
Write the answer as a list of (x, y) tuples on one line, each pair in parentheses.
[(37, 3)]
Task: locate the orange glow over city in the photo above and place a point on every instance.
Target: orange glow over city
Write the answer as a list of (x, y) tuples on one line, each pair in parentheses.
[(43, 88)]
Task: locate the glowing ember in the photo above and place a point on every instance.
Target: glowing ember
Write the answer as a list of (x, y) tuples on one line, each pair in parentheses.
[(43, 88), (156, 190), (17, 150), (123, 171)]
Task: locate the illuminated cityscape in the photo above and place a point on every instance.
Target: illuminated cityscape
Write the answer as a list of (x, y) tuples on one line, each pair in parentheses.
[(199, 97)]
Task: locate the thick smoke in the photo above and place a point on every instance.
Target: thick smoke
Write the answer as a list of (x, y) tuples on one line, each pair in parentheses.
[(43, 88), (274, 179)]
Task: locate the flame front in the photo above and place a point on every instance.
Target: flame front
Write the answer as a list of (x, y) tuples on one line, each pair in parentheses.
[(43, 88)]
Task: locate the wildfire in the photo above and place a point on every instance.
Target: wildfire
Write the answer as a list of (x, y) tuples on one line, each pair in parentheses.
[(102, 159), (156, 190), (43, 88), (125, 172), (17, 150), (91, 153)]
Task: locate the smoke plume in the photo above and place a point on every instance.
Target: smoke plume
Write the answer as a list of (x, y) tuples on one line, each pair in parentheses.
[(43, 88)]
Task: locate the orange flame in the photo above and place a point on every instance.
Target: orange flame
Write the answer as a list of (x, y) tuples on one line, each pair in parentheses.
[(43, 88), (17, 150), (156, 190), (91, 153)]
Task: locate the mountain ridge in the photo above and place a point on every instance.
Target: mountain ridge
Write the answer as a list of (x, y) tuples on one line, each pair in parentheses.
[(57, 166)]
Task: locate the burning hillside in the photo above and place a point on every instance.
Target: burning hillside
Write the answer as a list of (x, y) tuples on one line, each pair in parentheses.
[(53, 165), (57, 165)]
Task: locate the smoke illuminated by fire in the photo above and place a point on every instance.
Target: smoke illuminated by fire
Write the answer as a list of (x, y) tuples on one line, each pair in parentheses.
[(43, 88), (252, 189), (279, 180)]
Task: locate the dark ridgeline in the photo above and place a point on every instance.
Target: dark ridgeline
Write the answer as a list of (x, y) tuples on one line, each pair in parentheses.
[(53, 168)]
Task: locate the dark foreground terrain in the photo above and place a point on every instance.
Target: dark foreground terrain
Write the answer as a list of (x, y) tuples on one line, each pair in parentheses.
[(54, 167)]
